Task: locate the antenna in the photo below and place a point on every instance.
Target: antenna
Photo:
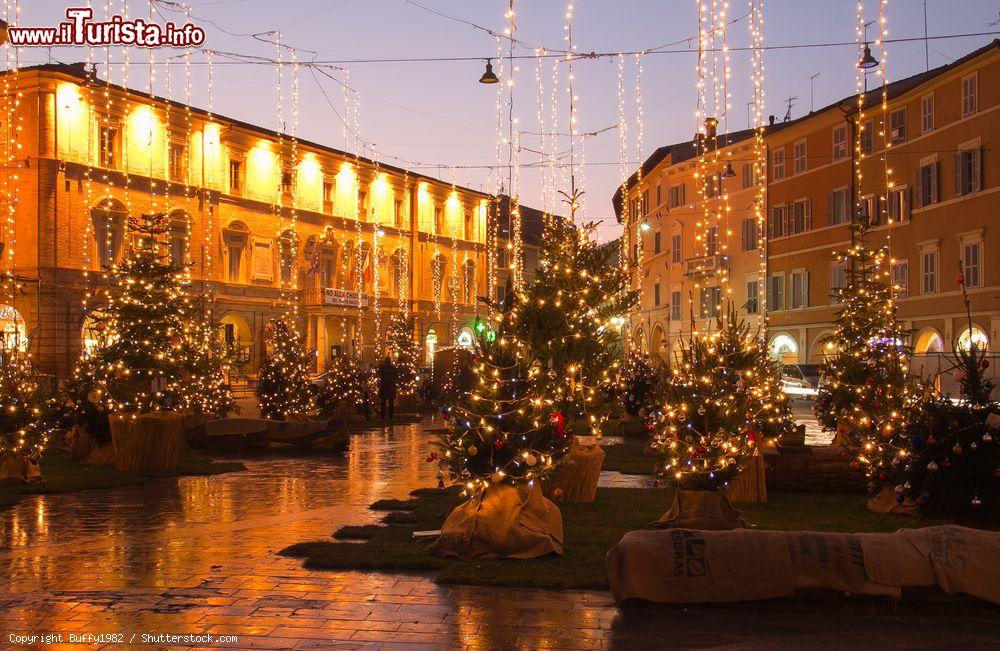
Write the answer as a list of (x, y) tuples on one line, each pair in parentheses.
[(790, 102), (812, 95), (927, 52)]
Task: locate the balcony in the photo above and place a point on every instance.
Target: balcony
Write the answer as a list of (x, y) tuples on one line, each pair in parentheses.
[(704, 267)]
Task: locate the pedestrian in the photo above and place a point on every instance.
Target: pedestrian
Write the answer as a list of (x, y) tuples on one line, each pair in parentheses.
[(387, 387)]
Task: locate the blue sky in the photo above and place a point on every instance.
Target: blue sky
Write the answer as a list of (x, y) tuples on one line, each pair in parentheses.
[(437, 113)]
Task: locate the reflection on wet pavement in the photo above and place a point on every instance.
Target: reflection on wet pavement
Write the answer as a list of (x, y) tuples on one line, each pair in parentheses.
[(198, 555)]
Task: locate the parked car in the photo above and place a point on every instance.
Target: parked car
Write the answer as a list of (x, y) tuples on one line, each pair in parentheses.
[(801, 379)]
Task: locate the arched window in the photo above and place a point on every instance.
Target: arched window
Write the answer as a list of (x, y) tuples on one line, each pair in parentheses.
[(975, 336), (430, 345), (784, 349), (470, 225), (323, 258), (180, 234), (13, 334), (469, 282), (109, 219), (365, 260), (928, 341), (288, 249)]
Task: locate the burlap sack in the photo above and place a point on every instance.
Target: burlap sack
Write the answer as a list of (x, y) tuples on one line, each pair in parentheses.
[(503, 522), (575, 480), (885, 502), (19, 470), (704, 510), (833, 561), (960, 560), (683, 566)]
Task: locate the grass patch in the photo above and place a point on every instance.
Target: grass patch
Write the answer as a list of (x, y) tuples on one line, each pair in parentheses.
[(628, 458), (60, 474), (399, 517), (358, 532), (590, 530), (393, 505)]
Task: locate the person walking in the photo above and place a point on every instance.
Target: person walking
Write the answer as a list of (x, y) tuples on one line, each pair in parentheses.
[(387, 387)]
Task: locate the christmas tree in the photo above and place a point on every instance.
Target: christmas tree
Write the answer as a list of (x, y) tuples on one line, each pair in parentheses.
[(868, 390), (402, 350), (947, 457), (565, 318), (500, 432), (284, 388), (24, 413), (723, 399), (347, 382), (204, 389), (146, 321), (637, 386)]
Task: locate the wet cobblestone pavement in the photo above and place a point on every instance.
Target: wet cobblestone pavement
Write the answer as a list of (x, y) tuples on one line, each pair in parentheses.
[(199, 556)]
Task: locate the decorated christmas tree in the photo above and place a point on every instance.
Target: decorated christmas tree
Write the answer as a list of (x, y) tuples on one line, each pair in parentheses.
[(566, 318), (204, 388), (402, 350), (718, 405), (24, 415), (284, 388), (636, 389), (146, 319), (947, 457), (868, 389), (347, 383), (501, 432)]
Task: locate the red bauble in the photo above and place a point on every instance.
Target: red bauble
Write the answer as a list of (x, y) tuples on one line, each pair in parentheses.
[(960, 279), (870, 382), (855, 465), (559, 422), (446, 416), (985, 363), (498, 444)]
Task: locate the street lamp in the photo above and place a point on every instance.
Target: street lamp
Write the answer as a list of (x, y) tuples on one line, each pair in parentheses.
[(867, 61), (489, 77)]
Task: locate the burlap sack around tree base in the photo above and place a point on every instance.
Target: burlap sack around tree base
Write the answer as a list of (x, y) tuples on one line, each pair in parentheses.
[(19, 470), (503, 522), (707, 510), (575, 480), (147, 442), (885, 501)]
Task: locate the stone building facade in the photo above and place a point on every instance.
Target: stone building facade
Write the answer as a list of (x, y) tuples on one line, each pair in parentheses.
[(263, 220), (940, 216)]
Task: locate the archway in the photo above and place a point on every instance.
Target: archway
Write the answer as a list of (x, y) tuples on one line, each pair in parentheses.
[(13, 333), (430, 346), (824, 347), (928, 340), (784, 349), (237, 336), (974, 335), (639, 340), (466, 338), (656, 343)]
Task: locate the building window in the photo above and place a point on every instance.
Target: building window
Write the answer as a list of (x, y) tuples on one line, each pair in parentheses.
[(776, 292), (713, 185), (177, 162), (747, 175), (235, 177), (235, 266), (286, 262), (927, 113), (899, 204), (800, 289), (656, 294), (750, 234), (262, 259), (328, 196), (438, 220), (928, 272), (927, 183), (675, 249), (469, 278), (867, 137), (109, 232), (897, 126), (967, 172), (776, 222), (869, 210), (800, 156), (286, 181), (839, 143), (397, 212), (901, 278), (840, 202), (109, 147), (645, 202), (712, 241), (838, 280), (801, 218), (675, 305), (676, 195), (778, 164), (711, 302), (971, 260), (753, 297), (656, 242), (659, 195), (970, 95)]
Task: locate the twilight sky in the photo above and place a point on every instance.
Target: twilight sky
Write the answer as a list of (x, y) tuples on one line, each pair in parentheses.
[(437, 114)]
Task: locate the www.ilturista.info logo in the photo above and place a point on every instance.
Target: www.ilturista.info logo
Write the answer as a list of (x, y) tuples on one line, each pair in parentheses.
[(78, 29)]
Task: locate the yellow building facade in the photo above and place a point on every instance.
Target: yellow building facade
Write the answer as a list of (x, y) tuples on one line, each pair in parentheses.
[(939, 214), (263, 220)]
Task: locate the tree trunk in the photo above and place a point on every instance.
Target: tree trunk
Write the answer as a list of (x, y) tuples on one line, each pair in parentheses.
[(147, 442), (576, 479), (749, 486)]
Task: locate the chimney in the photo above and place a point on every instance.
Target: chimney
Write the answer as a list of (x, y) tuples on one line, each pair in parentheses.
[(711, 126), (770, 120)]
